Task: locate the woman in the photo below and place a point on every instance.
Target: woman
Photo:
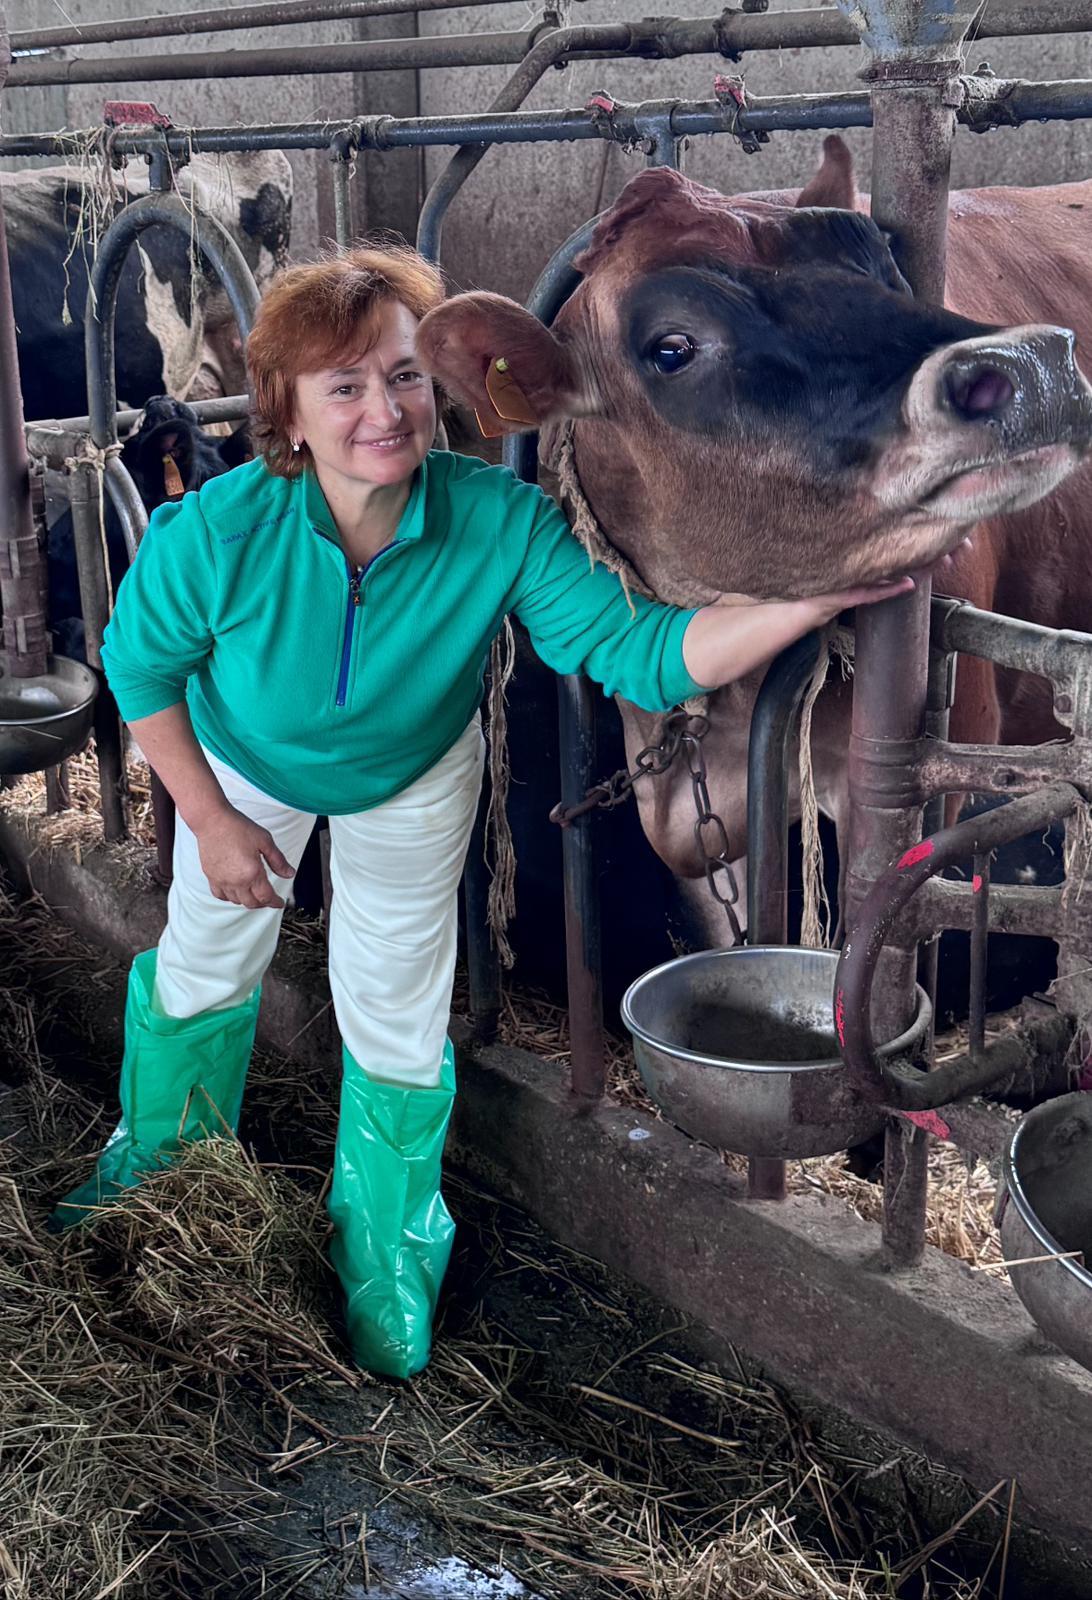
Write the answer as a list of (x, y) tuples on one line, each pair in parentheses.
[(307, 634)]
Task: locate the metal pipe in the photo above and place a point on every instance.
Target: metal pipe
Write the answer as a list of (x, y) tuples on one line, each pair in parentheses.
[(1004, 104), (548, 53), (85, 493), (129, 508), (800, 113), (741, 31), (583, 928), (860, 966), (980, 936), (229, 408), (278, 14), (482, 963), (341, 157), (363, 55), (207, 235), (914, 57), (773, 725), (1034, 910), (85, 500), (26, 646)]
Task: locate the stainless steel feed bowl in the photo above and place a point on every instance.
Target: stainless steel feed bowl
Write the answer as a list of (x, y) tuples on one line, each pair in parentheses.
[(45, 720), (738, 1048), (1048, 1174)]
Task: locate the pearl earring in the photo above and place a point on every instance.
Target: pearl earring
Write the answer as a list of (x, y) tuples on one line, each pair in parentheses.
[(296, 446)]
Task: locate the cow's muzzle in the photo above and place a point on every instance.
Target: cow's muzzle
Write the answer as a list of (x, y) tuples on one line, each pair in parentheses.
[(997, 421)]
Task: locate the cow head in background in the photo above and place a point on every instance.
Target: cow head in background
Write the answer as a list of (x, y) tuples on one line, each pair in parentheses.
[(760, 405), (169, 454)]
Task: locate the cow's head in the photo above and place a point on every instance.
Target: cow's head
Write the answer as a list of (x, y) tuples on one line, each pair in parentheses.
[(169, 454), (761, 406)]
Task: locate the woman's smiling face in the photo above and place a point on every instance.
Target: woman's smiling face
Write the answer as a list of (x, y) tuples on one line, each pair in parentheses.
[(370, 419)]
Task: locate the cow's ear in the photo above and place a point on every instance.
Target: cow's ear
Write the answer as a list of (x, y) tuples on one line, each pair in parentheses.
[(835, 183), (494, 356)]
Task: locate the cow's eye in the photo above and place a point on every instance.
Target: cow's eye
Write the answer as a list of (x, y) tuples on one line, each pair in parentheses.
[(673, 352)]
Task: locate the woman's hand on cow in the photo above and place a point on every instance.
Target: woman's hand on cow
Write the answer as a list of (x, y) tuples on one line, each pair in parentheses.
[(823, 608), (730, 638), (234, 855)]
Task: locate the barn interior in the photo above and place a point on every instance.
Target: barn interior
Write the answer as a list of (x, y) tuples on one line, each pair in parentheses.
[(669, 1364)]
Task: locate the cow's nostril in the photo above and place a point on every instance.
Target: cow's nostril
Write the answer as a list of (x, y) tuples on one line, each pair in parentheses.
[(980, 393)]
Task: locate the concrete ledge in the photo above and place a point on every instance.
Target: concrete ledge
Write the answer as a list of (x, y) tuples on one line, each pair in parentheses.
[(942, 1359)]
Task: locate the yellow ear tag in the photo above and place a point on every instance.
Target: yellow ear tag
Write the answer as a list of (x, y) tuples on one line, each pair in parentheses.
[(172, 478), (507, 398)]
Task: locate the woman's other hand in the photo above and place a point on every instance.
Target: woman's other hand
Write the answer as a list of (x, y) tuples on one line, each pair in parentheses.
[(234, 855)]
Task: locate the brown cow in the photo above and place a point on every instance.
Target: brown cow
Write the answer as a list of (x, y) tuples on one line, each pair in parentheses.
[(762, 409)]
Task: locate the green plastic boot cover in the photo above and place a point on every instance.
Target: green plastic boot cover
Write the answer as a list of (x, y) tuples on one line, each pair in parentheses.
[(392, 1231), (182, 1079)]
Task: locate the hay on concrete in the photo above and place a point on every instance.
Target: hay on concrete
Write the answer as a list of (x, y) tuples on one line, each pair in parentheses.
[(167, 1372), (78, 829)]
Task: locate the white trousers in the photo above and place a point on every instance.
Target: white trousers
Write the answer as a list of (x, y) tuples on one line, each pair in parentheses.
[(395, 872)]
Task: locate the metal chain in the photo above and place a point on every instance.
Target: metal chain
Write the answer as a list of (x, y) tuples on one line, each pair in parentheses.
[(681, 732)]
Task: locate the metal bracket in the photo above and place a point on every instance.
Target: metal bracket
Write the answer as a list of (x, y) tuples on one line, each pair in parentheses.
[(730, 91)]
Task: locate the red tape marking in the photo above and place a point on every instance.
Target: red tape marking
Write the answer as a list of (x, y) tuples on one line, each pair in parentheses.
[(930, 1122), (916, 853), (976, 883), (840, 1017), (134, 113)]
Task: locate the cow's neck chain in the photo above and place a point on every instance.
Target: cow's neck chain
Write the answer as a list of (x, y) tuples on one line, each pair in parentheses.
[(682, 730)]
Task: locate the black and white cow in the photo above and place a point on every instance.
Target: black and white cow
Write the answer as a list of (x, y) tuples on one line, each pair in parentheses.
[(174, 325), (166, 455)]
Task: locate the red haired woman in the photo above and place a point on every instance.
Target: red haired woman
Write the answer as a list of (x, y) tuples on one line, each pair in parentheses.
[(307, 634)]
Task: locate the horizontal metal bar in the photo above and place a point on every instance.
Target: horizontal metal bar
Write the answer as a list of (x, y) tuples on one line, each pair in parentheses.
[(368, 55), (278, 14), (229, 408), (1009, 641), (743, 31), (795, 113), (1002, 769), (942, 903)]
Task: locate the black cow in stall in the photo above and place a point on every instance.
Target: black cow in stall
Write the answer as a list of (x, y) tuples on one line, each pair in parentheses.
[(176, 332), (166, 455)]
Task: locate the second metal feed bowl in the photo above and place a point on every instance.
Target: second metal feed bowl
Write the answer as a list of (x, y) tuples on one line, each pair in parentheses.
[(1047, 1221), (44, 720), (738, 1048)]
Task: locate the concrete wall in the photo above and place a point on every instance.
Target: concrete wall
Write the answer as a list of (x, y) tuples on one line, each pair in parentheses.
[(523, 201)]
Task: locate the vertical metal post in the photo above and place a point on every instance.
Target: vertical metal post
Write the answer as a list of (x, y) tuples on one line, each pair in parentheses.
[(85, 497), (773, 723), (24, 637), (583, 931), (980, 936), (342, 156), (915, 56)]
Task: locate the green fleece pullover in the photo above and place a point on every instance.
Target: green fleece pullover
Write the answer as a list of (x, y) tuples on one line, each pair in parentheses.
[(332, 690)]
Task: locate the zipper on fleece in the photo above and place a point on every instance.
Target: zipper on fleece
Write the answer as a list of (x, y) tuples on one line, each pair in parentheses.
[(351, 611)]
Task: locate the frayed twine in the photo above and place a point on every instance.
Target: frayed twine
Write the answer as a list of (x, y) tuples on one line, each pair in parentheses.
[(1077, 856), (818, 928)]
